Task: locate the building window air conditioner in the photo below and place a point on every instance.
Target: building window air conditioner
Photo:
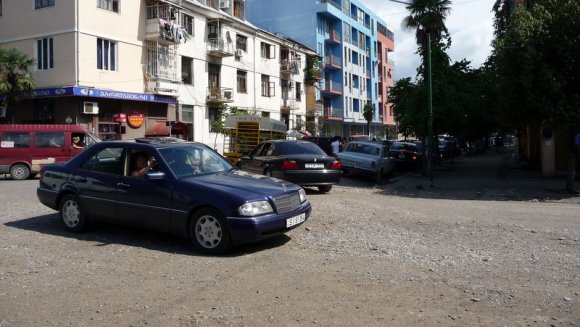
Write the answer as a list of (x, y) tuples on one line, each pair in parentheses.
[(239, 52), (224, 4), (90, 108)]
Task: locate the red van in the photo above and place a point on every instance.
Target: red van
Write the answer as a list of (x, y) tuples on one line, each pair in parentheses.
[(25, 148)]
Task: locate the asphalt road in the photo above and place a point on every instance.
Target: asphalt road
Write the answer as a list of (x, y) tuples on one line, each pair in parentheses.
[(370, 255)]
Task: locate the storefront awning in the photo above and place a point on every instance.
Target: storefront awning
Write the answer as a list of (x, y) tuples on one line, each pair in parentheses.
[(158, 128), (97, 93)]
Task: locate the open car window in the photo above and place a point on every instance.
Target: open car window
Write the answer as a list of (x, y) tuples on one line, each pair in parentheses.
[(107, 160)]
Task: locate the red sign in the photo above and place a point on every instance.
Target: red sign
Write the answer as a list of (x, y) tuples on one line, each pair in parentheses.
[(120, 118), (135, 119)]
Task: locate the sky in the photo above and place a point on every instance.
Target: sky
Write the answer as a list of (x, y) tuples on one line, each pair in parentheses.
[(470, 24)]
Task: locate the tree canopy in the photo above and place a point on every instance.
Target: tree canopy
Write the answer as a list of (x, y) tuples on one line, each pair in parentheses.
[(15, 79)]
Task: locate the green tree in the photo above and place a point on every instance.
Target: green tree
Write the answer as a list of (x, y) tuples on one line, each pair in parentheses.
[(368, 114), (15, 79), (535, 61)]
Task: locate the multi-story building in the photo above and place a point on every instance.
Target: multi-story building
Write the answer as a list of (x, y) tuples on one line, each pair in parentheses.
[(128, 69), (349, 38)]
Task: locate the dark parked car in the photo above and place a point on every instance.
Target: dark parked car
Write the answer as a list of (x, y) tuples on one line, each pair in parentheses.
[(323, 142), (406, 154), (186, 188), (369, 158), (299, 162)]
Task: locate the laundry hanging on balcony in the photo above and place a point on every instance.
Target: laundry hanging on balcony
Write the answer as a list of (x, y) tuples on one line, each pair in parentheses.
[(171, 31)]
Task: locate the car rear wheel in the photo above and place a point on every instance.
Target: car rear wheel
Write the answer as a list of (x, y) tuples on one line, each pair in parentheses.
[(324, 188), (379, 177), (19, 172), (209, 233), (72, 214)]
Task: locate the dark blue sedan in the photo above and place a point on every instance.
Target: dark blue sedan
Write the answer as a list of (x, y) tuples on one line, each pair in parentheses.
[(184, 188)]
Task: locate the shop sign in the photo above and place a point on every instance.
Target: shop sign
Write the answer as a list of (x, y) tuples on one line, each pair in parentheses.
[(135, 119), (120, 118)]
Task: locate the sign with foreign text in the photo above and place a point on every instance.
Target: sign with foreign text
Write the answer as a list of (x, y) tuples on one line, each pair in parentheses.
[(135, 119), (97, 93)]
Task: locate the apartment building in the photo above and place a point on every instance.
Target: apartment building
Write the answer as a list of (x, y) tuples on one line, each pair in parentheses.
[(346, 35), (129, 69)]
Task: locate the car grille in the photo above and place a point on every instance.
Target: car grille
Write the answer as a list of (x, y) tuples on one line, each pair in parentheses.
[(287, 203)]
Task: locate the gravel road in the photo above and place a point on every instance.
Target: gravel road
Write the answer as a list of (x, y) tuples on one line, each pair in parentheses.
[(365, 257)]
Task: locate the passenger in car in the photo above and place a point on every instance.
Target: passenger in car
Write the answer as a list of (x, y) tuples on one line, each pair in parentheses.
[(141, 165)]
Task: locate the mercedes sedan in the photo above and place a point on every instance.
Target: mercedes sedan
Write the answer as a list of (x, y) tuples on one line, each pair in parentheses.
[(184, 188)]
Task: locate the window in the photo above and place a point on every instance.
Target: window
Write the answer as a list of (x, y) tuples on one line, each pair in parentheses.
[(265, 114), (267, 50), (44, 54), (241, 42), (49, 140), (106, 54), (0, 7), (267, 87), (107, 160), (187, 70), (43, 3), (15, 140), (298, 90), (186, 113), (241, 81), (111, 5), (187, 23)]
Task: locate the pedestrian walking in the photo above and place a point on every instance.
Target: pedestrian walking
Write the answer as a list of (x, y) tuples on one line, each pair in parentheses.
[(335, 145)]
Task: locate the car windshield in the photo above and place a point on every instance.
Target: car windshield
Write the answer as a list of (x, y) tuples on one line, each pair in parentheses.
[(362, 148), (191, 160), (298, 148)]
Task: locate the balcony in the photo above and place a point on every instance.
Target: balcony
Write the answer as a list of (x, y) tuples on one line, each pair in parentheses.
[(218, 47), (333, 113), (289, 105), (333, 62), (289, 67), (218, 95), (332, 88), (333, 37), (162, 24), (161, 71)]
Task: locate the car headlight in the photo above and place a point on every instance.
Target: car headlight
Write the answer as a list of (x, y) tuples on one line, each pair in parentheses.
[(302, 195), (255, 208)]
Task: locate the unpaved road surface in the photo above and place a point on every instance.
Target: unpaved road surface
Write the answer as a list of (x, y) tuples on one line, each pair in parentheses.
[(364, 258)]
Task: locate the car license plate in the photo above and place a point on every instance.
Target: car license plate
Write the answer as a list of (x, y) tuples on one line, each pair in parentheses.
[(295, 220), (314, 165)]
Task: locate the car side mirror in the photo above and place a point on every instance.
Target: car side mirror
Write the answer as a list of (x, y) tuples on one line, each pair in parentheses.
[(155, 175)]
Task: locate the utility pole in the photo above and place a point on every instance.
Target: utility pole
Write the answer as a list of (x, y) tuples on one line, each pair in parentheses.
[(430, 88)]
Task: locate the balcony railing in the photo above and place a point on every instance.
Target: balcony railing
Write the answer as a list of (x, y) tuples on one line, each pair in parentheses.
[(163, 24), (218, 47), (288, 66), (220, 95), (332, 61), (332, 87), (335, 113), (332, 2), (333, 36), (161, 71)]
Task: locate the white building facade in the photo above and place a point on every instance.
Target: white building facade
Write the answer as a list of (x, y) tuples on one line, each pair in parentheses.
[(129, 69)]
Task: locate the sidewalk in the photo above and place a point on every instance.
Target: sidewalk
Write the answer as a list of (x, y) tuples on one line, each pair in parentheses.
[(488, 176)]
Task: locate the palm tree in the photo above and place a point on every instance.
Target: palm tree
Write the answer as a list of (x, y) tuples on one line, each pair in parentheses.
[(368, 113), (15, 79), (427, 17)]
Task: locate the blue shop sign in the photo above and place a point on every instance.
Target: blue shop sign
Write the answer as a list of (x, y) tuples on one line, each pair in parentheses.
[(99, 93)]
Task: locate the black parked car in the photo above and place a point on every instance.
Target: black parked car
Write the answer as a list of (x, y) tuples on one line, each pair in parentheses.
[(406, 154), (183, 188), (323, 142), (300, 162)]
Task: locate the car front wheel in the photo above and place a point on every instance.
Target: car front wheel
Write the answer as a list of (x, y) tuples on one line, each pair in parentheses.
[(72, 214), (209, 233), (324, 188)]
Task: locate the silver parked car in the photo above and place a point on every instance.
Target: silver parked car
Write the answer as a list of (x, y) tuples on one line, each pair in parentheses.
[(370, 158)]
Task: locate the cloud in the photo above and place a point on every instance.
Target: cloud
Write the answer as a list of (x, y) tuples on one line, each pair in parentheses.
[(470, 25)]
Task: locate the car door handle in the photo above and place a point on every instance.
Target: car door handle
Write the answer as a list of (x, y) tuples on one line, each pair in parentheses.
[(123, 184)]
